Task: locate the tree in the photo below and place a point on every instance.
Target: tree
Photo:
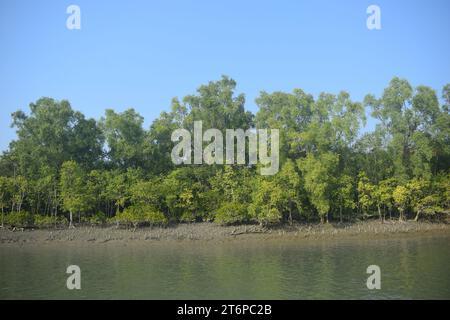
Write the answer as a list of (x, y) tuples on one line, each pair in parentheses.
[(429, 205), (267, 198), (383, 196), (185, 191), (73, 189), (401, 198), (148, 194), (45, 199), (216, 106), (52, 134), (422, 198), (118, 187), (20, 187), (291, 112), (370, 155), (125, 137), (442, 189), (158, 143), (410, 117), (230, 188), (344, 193), (5, 194), (64, 162), (318, 173), (366, 193), (288, 180)]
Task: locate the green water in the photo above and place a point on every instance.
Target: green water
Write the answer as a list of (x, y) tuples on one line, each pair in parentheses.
[(411, 268)]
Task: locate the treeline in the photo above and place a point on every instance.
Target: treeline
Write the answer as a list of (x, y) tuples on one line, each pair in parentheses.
[(64, 168)]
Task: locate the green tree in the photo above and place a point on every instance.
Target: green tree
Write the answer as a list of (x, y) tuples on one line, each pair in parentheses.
[(291, 112), (366, 193), (401, 198), (230, 188), (344, 193), (319, 179), (52, 134), (216, 106), (267, 201), (20, 188), (158, 144), (384, 197), (288, 179), (73, 189), (5, 194), (60, 160), (410, 118), (185, 193), (125, 137)]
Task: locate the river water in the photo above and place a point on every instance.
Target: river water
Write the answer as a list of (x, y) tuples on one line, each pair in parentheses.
[(411, 268)]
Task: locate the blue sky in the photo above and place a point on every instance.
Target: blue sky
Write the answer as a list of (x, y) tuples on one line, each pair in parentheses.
[(141, 54)]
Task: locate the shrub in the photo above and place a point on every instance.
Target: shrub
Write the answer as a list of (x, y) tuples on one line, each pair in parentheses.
[(137, 215), (111, 220), (20, 219), (269, 216), (41, 221), (154, 217), (188, 217), (126, 217), (231, 213), (97, 219)]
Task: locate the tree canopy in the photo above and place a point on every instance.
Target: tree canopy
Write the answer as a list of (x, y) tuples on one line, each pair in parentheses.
[(115, 170)]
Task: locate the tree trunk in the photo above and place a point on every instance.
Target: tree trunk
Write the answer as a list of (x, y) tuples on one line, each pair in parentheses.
[(22, 196), (400, 217), (290, 212), (56, 208), (56, 201), (71, 219), (379, 213), (417, 216), (3, 216), (340, 213)]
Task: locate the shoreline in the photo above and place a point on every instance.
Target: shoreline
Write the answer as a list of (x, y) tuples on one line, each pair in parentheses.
[(207, 232)]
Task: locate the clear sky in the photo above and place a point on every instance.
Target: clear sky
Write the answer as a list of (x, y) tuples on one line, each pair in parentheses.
[(141, 54)]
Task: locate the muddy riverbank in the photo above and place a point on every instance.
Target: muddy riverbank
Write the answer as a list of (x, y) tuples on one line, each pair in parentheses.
[(213, 232)]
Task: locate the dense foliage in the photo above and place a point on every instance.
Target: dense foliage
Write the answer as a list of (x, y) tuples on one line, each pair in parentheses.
[(64, 166)]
